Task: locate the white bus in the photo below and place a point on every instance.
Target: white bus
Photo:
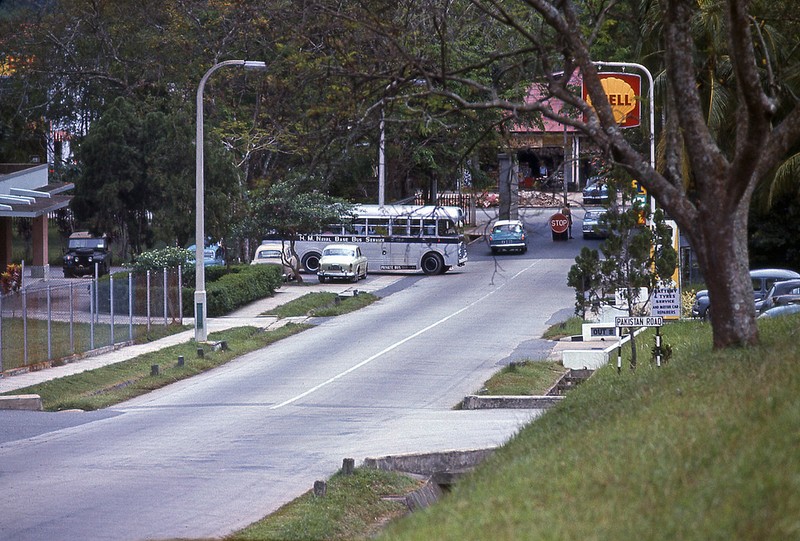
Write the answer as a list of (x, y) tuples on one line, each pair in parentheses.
[(394, 238)]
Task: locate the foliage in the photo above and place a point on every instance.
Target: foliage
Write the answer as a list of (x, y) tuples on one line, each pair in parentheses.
[(354, 507), (137, 169), (164, 258), (11, 279), (585, 277), (322, 304), (524, 378), (236, 289), (290, 207)]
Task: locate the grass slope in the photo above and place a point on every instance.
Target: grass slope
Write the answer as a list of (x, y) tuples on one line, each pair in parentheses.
[(706, 447)]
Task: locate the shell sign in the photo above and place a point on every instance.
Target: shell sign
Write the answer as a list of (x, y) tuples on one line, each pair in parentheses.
[(623, 91)]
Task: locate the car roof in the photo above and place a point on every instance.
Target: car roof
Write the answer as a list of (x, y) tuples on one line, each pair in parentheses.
[(774, 273), (508, 222), (794, 282), (349, 246)]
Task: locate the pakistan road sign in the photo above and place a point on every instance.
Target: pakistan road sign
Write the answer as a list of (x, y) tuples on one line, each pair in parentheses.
[(638, 321)]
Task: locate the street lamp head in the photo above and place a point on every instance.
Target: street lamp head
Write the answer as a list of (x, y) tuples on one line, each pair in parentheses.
[(254, 65)]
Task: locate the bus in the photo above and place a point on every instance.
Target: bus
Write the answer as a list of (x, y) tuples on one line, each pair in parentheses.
[(394, 238)]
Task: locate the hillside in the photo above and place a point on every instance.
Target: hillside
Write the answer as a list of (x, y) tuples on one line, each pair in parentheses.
[(706, 447)]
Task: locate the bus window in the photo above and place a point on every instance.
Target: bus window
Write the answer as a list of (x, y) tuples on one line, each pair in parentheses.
[(429, 227), (378, 226), (447, 228), (359, 226), (416, 228), (400, 227)]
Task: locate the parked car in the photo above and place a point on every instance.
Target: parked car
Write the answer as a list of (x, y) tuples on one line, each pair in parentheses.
[(342, 261), (84, 251), (213, 254), (763, 280), (595, 192), (594, 223), (276, 253), (508, 235), (782, 310), (781, 293)]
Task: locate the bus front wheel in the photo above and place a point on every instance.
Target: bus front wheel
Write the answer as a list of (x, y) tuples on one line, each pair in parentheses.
[(432, 264), (310, 262)]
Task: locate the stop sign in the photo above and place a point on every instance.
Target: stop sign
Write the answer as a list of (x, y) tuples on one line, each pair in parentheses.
[(559, 223)]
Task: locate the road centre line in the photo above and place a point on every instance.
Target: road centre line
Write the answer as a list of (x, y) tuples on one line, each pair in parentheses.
[(397, 344)]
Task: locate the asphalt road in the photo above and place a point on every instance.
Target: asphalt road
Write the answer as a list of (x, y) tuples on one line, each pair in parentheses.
[(207, 456)]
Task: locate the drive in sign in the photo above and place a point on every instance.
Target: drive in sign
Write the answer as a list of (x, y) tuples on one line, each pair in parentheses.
[(636, 321)]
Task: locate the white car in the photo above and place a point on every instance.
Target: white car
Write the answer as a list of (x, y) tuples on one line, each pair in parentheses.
[(275, 253), (342, 261)]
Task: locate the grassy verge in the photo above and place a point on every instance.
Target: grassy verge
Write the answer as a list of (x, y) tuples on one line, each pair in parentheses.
[(115, 383), (704, 447), (527, 378), (570, 327), (355, 507), (322, 304)]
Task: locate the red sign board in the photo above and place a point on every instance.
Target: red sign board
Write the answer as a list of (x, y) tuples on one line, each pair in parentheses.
[(624, 91), (559, 223)]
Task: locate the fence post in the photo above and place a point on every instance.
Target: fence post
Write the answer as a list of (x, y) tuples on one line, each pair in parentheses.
[(1, 332), (25, 327), (165, 297), (111, 308), (71, 319), (180, 294), (130, 306), (147, 286), (49, 325), (92, 308)]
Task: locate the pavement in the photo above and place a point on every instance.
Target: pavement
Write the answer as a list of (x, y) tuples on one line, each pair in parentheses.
[(247, 316)]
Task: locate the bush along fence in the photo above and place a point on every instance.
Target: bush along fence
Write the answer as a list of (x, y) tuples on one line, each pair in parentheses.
[(52, 322)]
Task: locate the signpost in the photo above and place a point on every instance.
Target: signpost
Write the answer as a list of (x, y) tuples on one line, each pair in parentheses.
[(639, 321)]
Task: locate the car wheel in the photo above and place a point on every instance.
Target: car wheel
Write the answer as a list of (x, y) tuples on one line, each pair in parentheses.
[(310, 262), (495, 250), (68, 274), (432, 264)]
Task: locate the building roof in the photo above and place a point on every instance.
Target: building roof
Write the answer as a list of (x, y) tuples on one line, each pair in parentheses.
[(25, 192)]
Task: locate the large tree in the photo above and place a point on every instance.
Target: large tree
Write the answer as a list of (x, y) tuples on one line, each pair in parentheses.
[(707, 178)]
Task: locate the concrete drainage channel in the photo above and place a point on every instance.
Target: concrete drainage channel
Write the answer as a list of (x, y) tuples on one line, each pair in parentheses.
[(441, 470)]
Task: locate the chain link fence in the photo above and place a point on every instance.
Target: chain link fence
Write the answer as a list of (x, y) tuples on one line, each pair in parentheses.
[(54, 321)]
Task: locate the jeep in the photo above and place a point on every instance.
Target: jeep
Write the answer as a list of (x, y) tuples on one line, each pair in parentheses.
[(83, 251)]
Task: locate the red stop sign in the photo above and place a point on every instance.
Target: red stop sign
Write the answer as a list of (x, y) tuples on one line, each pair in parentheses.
[(559, 223)]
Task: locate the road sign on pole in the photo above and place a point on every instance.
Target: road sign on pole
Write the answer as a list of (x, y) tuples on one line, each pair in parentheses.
[(638, 321)]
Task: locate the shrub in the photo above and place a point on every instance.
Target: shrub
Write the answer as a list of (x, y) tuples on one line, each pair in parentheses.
[(169, 257), (243, 284)]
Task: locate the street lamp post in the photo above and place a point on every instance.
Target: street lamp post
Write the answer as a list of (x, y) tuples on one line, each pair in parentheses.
[(200, 308)]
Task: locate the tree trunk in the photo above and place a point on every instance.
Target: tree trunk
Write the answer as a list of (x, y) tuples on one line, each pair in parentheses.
[(721, 245)]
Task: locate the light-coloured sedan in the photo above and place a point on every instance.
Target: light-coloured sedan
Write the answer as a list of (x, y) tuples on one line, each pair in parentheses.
[(275, 253), (342, 261)]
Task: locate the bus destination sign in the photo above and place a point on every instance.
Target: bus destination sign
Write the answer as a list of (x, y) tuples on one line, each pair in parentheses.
[(646, 321)]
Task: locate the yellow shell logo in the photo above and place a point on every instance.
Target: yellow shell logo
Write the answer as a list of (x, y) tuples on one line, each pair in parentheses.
[(621, 97)]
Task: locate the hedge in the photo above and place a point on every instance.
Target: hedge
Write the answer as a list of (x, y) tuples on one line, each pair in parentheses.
[(243, 285)]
